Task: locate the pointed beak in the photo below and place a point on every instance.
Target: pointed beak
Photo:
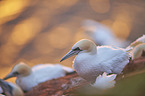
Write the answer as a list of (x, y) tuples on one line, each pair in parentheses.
[(69, 54), (5, 85), (9, 76)]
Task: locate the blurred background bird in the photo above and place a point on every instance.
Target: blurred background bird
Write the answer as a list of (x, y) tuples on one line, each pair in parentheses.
[(101, 34), (28, 77)]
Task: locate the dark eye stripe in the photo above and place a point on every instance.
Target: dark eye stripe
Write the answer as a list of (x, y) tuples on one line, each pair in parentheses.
[(77, 49), (16, 73)]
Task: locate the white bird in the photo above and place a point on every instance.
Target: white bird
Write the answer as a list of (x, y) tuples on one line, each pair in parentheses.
[(28, 78), (91, 61), (105, 81), (11, 89), (102, 34)]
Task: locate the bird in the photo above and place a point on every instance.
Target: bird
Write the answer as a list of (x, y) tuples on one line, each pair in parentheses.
[(105, 81), (11, 89), (138, 51), (92, 60), (28, 77), (102, 34)]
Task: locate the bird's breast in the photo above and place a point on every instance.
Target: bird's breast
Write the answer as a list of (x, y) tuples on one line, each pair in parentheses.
[(26, 83), (86, 67)]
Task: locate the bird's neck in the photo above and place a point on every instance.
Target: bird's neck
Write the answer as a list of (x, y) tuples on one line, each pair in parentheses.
[(92, 50)]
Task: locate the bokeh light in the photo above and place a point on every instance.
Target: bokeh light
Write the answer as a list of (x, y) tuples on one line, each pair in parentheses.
[(59, 37), (10, 8), (121, 29), (100, 6), (25, 31), (122, 21), (107, 22), (42, 45)]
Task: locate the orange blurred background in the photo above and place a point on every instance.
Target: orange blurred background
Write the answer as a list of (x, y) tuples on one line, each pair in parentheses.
[(42, 31)]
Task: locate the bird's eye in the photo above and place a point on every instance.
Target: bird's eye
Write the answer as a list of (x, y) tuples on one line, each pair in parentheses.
[(16, 73), (77, 49)]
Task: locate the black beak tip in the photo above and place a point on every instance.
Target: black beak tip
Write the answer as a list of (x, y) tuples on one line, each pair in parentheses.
[(4, 78), (61, 60)]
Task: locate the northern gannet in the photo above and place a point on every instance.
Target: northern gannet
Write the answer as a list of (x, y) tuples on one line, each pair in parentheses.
[(29, 77), (102, 34), (92, 60), (105, 81), (11, 89)]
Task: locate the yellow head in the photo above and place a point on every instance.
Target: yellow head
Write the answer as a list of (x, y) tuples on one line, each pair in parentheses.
[(20, 69), (84, 45)]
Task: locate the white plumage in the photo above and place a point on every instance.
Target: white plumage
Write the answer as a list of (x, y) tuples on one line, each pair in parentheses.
[(105, 81), (49, 71), (38, 74), (107, 59), (91, 61)]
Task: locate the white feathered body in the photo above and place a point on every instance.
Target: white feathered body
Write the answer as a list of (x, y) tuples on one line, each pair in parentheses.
[(105, 81), (102, 34), (40, 73), (107, 59)]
